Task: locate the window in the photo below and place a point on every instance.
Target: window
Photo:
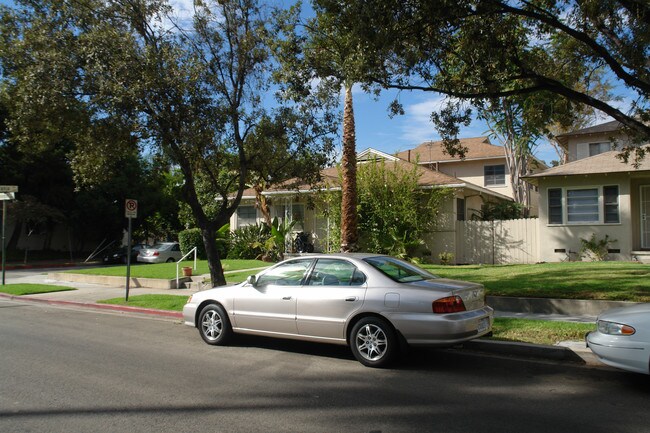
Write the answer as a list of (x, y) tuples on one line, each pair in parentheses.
[(598, 148), (555, 206), (583, 205), (494, 175), (246, 215), (610, 195), (298, 212), (330, 272), (460, 209), (287, 274)]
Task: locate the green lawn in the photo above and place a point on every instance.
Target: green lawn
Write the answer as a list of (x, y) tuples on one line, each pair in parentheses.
[(32, 289), (158, 302), (621, 281), (167, 271), (539, 331)]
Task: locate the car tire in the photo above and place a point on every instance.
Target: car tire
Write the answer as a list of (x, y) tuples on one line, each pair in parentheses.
[(214, 325), (170, 260), (373, 342)]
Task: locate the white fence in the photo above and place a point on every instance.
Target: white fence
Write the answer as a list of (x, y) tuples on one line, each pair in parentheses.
[(497, 242)]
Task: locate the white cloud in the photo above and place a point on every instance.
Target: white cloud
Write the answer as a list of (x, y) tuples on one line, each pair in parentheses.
[(417, 126)]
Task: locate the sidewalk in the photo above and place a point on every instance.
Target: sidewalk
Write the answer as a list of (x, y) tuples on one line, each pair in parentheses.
[(87, 295)]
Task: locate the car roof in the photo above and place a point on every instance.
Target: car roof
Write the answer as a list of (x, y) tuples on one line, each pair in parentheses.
[(360, 256)]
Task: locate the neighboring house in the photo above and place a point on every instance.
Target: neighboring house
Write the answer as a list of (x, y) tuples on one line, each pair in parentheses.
[(484, 164), (291, 200), (594, 193)]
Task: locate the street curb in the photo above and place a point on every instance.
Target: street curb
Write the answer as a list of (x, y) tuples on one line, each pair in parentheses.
[(121, 308), (569, 307), (528, 350)]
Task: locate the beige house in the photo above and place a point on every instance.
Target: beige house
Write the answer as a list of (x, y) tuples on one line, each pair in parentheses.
[(484, 164), (594, 193), (291, 200)]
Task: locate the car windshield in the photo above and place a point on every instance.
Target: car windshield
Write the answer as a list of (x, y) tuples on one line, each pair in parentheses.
[(399, 270)]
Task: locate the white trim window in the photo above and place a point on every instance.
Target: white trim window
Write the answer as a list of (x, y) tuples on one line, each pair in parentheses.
[(494, 175), (588, 205), (598, 148), (246, 216)]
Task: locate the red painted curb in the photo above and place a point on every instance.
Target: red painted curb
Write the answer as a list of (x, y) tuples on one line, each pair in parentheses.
[(123, 308)]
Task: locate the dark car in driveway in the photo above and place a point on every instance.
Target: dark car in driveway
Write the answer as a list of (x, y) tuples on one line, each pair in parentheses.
[(118, 255)]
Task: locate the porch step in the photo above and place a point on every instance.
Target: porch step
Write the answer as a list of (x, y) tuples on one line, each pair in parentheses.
[(198, 282), (642, 256)]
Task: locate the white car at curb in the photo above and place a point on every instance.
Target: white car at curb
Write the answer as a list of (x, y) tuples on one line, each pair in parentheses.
[(622, 339)]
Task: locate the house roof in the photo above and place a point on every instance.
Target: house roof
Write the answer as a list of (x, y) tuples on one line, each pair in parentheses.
[(331, 180), (432, 151), (602, 128), (606, 162)]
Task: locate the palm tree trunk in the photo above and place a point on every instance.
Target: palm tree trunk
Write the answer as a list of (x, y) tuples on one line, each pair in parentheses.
[(349, 230)]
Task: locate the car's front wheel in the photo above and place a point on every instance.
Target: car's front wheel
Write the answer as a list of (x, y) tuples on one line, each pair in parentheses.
[(373, 342), (214, 325)]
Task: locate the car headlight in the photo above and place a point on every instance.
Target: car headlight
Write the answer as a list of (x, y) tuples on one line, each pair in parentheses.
[(189, 299), (613, 328)]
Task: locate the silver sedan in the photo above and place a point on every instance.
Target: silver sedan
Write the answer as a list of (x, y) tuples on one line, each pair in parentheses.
[(622, 339), (370, 302)]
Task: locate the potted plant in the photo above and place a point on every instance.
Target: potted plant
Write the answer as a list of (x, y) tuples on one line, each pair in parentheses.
[(187, 271)]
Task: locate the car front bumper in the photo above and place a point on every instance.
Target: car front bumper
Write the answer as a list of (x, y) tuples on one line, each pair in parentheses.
[(620, 351)]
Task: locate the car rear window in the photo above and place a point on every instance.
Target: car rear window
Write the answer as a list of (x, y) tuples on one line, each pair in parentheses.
[(398, 270)]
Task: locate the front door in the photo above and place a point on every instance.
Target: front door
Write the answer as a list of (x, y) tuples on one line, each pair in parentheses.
[(645, 216), (270, 305)]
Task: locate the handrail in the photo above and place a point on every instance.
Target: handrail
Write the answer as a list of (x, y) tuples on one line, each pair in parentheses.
[(179, 262)]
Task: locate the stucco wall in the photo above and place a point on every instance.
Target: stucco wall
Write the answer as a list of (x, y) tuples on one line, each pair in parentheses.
[(472, 171), (567, 236)]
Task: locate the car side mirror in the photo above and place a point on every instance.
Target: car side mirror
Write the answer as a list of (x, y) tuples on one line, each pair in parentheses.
[(251, 280)]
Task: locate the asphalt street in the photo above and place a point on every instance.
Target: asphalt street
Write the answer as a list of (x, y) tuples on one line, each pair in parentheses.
[(72, 370)]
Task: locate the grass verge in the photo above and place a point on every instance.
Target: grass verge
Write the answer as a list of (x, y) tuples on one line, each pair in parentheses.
[(32, 289), (157, 302), (539, 331), (613, 281)]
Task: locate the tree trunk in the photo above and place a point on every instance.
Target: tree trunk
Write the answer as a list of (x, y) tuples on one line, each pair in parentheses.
[(349, 230), (262, 204), (214, 259)]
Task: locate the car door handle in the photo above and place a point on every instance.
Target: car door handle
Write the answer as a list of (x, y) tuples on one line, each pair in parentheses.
[(286, 298), (351, 299)]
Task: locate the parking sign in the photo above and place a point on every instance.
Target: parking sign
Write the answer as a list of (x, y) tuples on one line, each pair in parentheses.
[(131, 208)]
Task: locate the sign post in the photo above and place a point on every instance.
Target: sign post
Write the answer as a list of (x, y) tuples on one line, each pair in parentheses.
[(7, 192), (130, 212)]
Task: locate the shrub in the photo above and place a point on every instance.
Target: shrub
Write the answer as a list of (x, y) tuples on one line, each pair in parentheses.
[(247, 242), (446, 258), (595, 249), (191, 238)]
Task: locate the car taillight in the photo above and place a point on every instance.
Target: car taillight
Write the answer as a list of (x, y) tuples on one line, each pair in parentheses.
[(450, 304), (156, 253)]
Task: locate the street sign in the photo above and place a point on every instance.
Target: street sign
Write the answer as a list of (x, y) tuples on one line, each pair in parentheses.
[(8, 188), (131, 208)]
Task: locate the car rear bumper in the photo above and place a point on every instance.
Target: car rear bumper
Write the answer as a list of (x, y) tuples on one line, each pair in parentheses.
[(443, 329), (149, 259)]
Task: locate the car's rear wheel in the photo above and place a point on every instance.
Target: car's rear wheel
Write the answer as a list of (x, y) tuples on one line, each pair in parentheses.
[(169, 260), (373, 342), (214, 325)]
